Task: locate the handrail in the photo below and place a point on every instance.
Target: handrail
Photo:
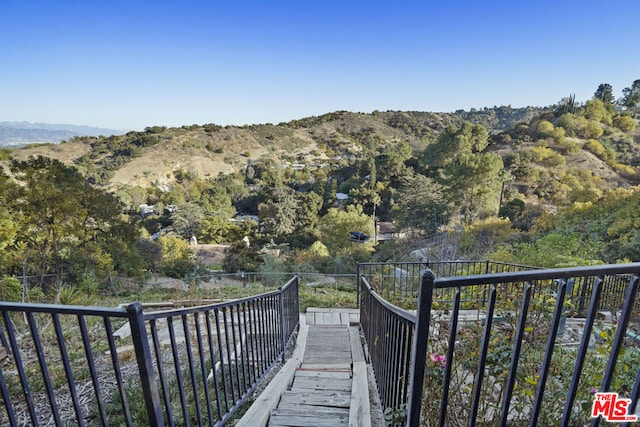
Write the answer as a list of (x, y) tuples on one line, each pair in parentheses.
[(542, 274)]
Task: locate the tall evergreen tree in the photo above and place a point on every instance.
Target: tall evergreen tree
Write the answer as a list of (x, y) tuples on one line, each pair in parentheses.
[(604, 93)]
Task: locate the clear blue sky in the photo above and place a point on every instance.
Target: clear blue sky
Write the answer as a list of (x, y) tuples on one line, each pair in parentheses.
[(137, 63)]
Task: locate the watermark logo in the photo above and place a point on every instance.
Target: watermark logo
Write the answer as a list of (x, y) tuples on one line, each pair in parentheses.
[(612, 408)]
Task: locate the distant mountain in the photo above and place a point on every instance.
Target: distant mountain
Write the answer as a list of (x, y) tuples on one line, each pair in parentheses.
[(18, 134)]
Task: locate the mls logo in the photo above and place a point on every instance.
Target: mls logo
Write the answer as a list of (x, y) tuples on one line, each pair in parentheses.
[(612, 408)]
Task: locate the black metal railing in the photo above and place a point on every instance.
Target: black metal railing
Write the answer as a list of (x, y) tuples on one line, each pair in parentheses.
[(514, 361), (399, 283), (388, 332), (191, 366)]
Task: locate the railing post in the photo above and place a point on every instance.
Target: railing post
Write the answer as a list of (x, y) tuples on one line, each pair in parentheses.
[(145, 365), (358, 284), (419, 349), (283, 338)]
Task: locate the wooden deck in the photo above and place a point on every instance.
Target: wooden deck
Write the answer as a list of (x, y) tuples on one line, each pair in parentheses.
[(327, 384)]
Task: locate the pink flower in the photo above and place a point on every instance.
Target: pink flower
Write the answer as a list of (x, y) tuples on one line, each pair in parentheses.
[(438, 358), (593, 390)]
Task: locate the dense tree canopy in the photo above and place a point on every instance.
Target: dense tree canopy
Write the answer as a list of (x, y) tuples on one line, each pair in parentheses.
[(64, 223)]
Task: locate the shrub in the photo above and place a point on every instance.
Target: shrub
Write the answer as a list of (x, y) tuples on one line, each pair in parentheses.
[(547, 157), (10, 289), (624, 123), (544, 128)]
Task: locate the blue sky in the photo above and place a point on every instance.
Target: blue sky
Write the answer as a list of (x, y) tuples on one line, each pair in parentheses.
[(131, 64)]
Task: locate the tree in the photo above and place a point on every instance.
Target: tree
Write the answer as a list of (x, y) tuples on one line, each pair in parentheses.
[(597, 110), (240, 257), (279, 216), (187, 220), (604, 93), (473, 184), (420, 204), (64, 221), (456, 141), (471, 178), (335, 227), (176, 256), (631, 95)]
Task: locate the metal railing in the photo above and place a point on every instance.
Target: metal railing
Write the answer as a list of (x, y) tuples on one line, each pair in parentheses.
[(388, 332), (511, 361), (399, 282), (191, 366)]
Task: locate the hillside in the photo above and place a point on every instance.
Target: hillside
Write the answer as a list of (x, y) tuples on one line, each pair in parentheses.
[(142, 158)]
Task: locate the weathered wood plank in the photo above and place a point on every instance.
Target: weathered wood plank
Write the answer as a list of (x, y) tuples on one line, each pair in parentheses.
[(357, 354), (327, 363), (323, 373), (310, 318), (309, 417), (335, 317), (330, 366), (316, 409), (338, 399), (302, 421), (360, 407), (311, 383)]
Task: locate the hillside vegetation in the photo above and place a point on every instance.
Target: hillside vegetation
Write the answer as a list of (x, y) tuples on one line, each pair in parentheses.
[(547, 186)]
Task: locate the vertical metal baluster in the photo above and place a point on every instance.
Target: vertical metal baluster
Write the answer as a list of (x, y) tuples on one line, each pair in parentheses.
[(228, 337), (145, 364), (385, 347), (253, 343), (259, 313), (618, 340), (178, 370), (272, 331), (243, 356), (384, 354), (116, 370), (582, 351), (515, 355), (546, 364), (67, 369), (477, 386), (407, 337), (419, 349), (396, 366), (235, 351), (92, 369), (203, 365), (221, 356), (453, 331), (275, 328), (282, 319), (192, 369), (212, 354), (157, 347), (248, 343), (20, 368), (6, 397)]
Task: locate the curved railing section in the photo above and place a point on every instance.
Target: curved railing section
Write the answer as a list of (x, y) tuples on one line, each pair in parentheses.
[(526, 353)]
